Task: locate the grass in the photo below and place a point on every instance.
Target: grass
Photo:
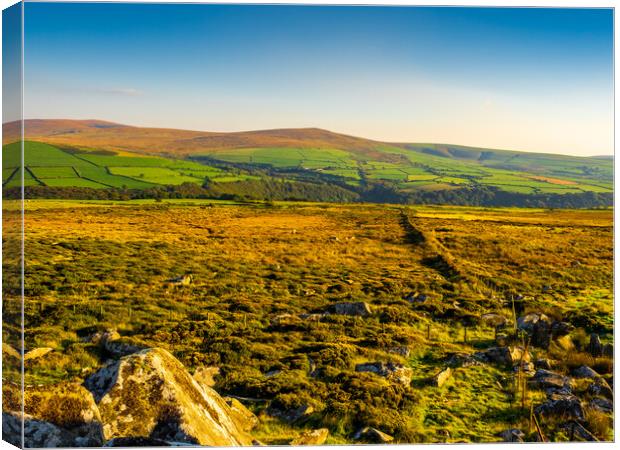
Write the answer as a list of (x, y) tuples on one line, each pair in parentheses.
[(53, 166), (254, 262)]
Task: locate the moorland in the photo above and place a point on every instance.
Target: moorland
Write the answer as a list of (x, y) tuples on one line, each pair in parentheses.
[(374, 322)]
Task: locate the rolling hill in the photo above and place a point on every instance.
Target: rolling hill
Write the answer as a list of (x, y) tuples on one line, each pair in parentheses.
[(99, 154)]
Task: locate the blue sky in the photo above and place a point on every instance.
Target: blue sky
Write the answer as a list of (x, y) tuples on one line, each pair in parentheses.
[(529, 79)]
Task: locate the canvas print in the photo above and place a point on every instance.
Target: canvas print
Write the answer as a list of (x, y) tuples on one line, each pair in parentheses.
[(245, 225)]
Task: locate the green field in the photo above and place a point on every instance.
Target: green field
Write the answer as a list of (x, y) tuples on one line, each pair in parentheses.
[(48, 165), (408, 168)]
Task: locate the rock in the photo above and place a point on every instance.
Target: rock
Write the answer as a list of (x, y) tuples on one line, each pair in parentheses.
[(507, 356), (512, 435), (137, 442), (393, 372), (439, 379), (543, 363), (602, 404), (150, 393), (67, 410), (101, 337), (462, 360), (502, 340), (373, 435), (608, 350), (545, 379), (312, 437), (242, 415), (205, 375), (527, 322), (37, 433), (183, 280), (542, 330), (415, 297), (37, 353), (562, 406), (122, 347), (559, 329), (585, 372), (292, 415), (351, 309), (400, 350), (595, 347), (494, 320), (601, 387), (524, 367)]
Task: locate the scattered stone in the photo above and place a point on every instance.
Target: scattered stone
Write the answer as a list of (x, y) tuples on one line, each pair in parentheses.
[(351, 309), (400, 350), (512, 435), (543, 363), (242, 415), (602, 404), (462, 360), (312, 437), (601, 387), (150, 393), (559, 329), (292, 415), (595, 347), (416, 297), (545, 379), (524, 367), (561, 405), (393, 372), (585, 372), (373, 435), (37, 353), (507, 356), (183, 280), (494, 320), (102, 337), (608, 350), (205, 375), (439, 379)]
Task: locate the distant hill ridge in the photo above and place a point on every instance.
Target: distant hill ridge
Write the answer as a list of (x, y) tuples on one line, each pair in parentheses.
[(110, 135)]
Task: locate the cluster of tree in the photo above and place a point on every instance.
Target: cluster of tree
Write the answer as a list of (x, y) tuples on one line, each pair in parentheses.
[(279, 189)]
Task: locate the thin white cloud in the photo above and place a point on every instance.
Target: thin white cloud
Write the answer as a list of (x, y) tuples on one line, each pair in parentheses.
[(130, 92)]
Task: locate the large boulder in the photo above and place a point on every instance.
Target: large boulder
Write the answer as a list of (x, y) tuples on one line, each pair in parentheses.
[(585, 372), (393, 372), (58, 415), (242, 415), (151, 394)]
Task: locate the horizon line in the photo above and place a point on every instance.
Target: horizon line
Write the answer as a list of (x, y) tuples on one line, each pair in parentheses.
[(312, 128)]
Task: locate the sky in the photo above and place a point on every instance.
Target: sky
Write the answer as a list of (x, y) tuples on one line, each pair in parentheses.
[(528, 79)]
